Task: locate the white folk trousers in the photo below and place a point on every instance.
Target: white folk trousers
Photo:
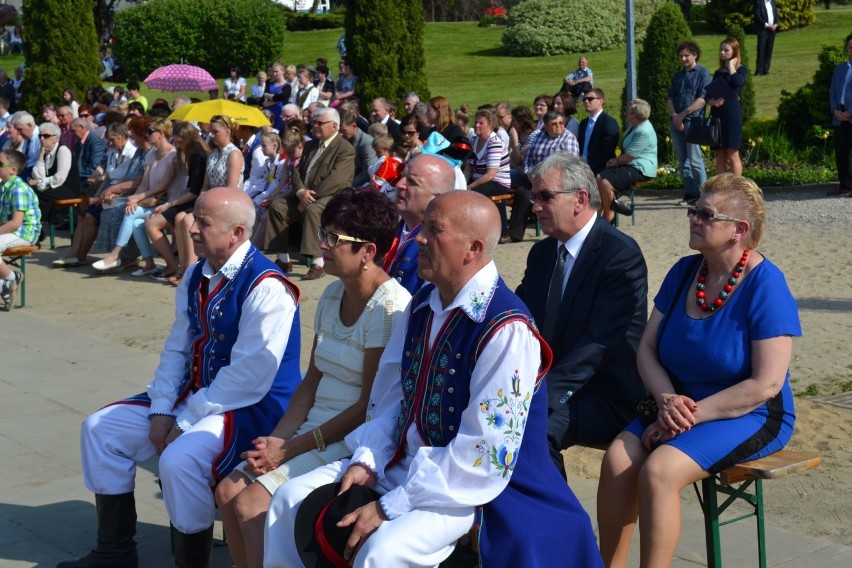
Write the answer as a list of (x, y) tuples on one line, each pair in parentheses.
[(423, 537), (114, 439)]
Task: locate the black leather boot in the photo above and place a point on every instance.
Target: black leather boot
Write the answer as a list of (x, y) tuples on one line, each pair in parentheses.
[(116, 528), (194, 550)]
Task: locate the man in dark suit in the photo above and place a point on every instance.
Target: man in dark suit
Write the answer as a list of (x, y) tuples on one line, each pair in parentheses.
[(380, 112), (586, 286), (327, 166), (599, 147), (766, 22), (89, 154)]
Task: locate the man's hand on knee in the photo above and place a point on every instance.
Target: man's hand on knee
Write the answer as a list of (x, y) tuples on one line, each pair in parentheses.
[(159, 429), (366, 520)]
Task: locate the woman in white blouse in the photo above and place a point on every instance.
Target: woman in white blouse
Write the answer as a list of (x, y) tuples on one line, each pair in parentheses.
[(235, 86), (353, 322), (53, 178)]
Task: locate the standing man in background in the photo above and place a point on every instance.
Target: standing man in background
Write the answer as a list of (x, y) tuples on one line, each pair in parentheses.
[(766, 22)]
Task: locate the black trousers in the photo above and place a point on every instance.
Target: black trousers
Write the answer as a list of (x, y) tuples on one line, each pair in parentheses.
[(48, 197), (765, 43)]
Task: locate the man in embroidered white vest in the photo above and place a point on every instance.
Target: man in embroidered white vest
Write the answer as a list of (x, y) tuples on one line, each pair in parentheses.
[(455, 438), (225, 376)]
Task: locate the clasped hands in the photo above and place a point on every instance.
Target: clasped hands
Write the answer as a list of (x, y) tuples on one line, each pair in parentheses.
[(269, 452), (676, 414)]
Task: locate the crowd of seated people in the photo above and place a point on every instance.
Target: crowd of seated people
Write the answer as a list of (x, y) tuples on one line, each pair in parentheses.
[(490, 148)]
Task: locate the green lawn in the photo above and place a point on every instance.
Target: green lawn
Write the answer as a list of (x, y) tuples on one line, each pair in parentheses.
[(464, 63)]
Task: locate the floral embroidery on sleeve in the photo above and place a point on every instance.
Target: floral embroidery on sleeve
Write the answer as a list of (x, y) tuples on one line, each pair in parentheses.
[(508, 415)]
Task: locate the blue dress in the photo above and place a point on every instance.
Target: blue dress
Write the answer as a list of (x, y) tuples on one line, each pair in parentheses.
[(709, 355), (730, 114)]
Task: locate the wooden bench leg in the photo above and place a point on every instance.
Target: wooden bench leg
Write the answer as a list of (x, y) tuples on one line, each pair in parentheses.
[(23, 286), (710, 505)]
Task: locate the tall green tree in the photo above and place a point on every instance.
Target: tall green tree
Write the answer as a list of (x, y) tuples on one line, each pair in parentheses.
[(61, 50), (384, 45), (657, 64), (412, 57)]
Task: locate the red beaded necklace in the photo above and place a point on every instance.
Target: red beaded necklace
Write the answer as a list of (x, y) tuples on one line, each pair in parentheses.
[(725, 293)]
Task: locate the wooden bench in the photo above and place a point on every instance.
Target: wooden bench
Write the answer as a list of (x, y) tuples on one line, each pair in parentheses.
[(749, 475), (631, 193), (17, 257), (508, 199), (73, 205)]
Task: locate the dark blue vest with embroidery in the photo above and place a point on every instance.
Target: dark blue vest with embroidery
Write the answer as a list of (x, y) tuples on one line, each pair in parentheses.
[(214, 324), (403, 267), (536, 522), (436, 384)]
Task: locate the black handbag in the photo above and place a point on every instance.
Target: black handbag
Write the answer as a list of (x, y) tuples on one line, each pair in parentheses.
[(705, 132)]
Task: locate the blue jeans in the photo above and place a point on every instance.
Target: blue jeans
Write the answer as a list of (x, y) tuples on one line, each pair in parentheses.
[(134, 224), (691, 162)]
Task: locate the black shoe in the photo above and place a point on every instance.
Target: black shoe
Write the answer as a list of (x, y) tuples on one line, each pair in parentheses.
[(116, 528), (194, 550), (7, 295), (622, 207)]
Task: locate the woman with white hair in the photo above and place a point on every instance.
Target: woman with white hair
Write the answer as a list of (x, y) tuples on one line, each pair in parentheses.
[(637, 162), (53, 176)]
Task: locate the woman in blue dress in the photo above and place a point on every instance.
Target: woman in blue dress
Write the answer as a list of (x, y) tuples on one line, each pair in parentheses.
[(728, 111), (715, 357)]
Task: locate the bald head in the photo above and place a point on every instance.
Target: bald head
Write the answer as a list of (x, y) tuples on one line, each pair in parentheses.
[(459, 234), (438, 171), (478, 217), (233, 206), (424, 177)]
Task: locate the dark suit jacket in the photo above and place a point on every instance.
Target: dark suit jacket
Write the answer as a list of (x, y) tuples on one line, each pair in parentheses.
[(89, 155), (761, 18), (601, 319), (603, 142), (334, 170), (393, 130)]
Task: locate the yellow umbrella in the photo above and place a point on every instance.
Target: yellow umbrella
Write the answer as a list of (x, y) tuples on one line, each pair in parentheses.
[(243, 115)]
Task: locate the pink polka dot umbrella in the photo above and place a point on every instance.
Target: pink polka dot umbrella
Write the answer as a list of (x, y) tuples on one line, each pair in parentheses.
[(179, 77)]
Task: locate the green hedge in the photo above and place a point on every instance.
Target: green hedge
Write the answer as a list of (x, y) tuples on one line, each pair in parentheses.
[(305, 22), (781, 176), (213, 34), (553, 27), (800, 111)]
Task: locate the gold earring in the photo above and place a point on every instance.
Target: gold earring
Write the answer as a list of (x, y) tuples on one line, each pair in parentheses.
[(365, 267)]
